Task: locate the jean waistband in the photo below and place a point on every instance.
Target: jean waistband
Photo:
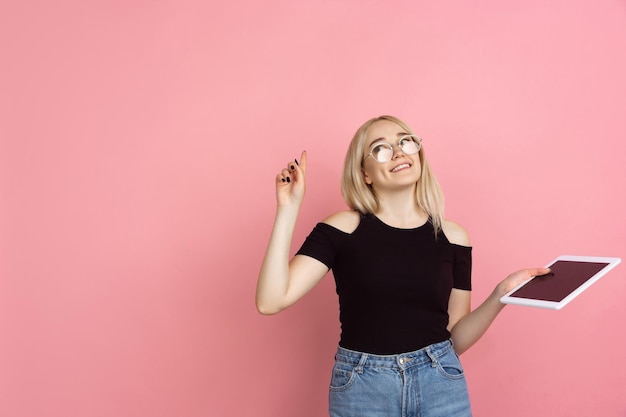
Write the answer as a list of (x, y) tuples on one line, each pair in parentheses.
[(428, 354)]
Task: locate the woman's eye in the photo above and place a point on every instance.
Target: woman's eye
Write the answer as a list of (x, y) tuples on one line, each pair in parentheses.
[(378, 149)]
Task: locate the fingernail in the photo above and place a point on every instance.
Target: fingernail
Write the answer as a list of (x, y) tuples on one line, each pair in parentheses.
[(288, 179), (282, 179), (292, 167), (297, 163)]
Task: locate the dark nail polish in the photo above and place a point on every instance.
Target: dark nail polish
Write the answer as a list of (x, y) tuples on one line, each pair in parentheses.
[(282, 179), (297, 163), (292, 167), (288, 179)]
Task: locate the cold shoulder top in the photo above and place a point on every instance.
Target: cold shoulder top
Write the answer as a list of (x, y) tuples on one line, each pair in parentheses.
[(393, 284)]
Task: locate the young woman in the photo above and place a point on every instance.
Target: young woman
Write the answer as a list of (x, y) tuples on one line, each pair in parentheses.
[(403, 275)]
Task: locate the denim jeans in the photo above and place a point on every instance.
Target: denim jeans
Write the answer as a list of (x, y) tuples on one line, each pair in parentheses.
[(427, 383)]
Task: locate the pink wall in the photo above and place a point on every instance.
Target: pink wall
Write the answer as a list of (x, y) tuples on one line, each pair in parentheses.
[(139, 142)]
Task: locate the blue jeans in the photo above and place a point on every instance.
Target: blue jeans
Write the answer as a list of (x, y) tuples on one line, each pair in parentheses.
[(427, 383)]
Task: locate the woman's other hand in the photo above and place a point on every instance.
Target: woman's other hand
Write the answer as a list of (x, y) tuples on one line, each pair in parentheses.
[(291, 183), (516, 278)]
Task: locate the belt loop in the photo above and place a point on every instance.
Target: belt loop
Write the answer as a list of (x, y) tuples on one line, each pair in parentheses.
[(432, 357), (359, 367)]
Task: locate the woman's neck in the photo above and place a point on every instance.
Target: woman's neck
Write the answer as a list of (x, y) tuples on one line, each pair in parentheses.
[(400, 209)]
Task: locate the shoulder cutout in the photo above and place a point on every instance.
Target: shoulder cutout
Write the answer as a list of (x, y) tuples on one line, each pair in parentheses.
[(347, 221), (455, 233)]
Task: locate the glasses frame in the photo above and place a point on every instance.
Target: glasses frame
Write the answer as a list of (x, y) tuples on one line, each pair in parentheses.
[(390, 146)]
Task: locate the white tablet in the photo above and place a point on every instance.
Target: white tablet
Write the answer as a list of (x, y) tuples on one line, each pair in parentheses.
[(569, 277)]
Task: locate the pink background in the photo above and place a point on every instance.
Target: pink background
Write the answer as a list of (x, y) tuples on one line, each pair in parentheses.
[(139, 145)]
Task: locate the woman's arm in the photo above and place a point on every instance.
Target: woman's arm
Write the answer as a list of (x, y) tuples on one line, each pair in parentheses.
[(470, 327), (282, 282), (467, 326)]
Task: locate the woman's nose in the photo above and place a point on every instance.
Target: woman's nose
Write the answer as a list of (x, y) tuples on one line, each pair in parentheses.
[(397, 151)]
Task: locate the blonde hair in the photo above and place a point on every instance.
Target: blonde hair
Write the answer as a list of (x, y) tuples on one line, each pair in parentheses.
[(361, 197)]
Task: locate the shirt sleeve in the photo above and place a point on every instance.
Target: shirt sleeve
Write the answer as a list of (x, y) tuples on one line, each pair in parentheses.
[(462, 273), (322, 244)]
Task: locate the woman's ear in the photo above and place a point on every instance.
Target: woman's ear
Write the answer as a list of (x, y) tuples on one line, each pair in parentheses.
[(366, 177)]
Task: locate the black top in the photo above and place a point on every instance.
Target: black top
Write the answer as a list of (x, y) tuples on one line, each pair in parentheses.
[(393, 284)]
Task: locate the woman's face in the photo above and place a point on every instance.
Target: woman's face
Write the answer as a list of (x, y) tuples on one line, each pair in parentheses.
[(403, 167)]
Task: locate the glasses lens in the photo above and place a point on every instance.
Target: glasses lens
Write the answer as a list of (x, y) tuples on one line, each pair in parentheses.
[(382, 152), (409, 145)]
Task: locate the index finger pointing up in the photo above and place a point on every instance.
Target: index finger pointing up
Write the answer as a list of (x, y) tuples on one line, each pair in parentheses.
[(303, 161)]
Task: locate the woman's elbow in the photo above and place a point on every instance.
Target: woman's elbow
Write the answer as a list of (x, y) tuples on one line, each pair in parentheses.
[(267, 309)]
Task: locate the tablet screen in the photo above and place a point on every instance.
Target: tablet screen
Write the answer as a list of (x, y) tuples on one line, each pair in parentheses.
[(565, 277)]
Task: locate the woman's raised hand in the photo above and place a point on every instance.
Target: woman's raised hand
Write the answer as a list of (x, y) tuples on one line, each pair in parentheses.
[(290, 182)]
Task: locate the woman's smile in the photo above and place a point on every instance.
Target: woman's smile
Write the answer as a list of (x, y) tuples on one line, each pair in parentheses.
[(401, 167)]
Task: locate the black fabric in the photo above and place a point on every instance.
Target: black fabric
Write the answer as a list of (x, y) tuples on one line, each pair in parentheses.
[(393, 284)]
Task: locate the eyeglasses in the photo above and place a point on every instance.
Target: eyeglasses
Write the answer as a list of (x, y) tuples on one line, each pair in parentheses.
[(383, 152)]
